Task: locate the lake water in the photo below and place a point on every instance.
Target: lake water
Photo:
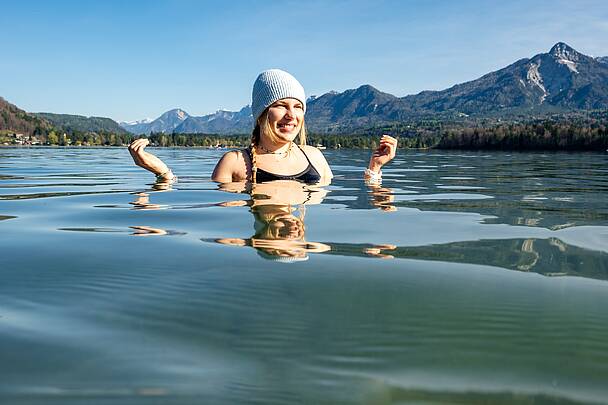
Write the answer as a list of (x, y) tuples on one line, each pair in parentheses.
[(465, 278)]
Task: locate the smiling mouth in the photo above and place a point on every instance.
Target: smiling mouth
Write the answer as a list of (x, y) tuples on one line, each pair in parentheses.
[(288, 127)]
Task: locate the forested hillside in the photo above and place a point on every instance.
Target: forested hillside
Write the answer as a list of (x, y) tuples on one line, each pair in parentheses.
[(78, 123), (14, 119)]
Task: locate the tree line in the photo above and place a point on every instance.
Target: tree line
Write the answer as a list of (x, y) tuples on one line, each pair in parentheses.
[(330, 141), (538, 136), (589, 134)]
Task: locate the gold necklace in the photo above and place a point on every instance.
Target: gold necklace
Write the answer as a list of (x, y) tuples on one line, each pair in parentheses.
[(263, 149)]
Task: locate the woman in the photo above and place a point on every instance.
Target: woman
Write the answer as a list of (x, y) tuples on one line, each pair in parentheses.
[(278, 107)]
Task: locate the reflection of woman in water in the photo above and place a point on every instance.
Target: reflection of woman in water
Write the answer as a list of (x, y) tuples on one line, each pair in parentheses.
[(279, 229), (278, 210), (279, 234), (278, 107)]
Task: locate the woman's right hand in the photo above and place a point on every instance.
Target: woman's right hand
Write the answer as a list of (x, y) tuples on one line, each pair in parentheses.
[(146, 160)]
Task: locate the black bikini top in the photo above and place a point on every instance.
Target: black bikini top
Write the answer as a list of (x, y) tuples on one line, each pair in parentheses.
[(310, 175)]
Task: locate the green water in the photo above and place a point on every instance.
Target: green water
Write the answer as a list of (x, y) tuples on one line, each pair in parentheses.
[(465, 278)]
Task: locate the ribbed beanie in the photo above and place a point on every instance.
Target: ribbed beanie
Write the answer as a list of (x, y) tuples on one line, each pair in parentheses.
[(272, 85), (281, 259)]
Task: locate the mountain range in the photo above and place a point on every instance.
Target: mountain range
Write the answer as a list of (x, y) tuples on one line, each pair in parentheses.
[(560, 80), (557, 81)]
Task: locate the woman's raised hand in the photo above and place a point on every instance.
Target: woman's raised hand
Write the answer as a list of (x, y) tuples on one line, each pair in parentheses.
[(147, 160), (136, 149), (384, 153)]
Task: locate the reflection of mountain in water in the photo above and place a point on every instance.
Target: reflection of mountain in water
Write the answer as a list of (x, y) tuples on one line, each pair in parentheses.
[(549, 257), (551, 215)]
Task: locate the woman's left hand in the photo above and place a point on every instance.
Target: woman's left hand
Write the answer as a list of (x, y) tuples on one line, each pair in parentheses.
[(384, 153)]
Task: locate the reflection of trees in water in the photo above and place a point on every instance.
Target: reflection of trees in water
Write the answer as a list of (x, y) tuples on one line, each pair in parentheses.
[(552, 191), (552, 215), (53, 194), (550, 257)]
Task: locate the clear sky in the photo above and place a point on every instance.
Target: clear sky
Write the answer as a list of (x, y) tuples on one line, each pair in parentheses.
[(133, 59)]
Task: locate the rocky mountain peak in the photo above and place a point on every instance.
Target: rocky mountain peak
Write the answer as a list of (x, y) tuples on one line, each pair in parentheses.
[(563, 51), (367, 89), (567, 56), (177, 113)]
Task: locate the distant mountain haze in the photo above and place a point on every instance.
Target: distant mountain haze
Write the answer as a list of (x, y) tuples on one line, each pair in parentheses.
[(220, 122), (167, 123)]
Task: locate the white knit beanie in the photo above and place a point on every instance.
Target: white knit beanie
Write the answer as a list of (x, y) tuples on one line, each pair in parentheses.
[(272, 85)]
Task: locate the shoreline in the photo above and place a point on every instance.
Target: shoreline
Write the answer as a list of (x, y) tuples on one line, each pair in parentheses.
[(532, 150)]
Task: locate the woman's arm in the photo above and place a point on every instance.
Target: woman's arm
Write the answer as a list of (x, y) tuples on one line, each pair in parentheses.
[(148, 161)]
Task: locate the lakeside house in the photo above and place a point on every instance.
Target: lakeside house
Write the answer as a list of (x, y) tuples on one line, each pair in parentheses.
[(20, 139)]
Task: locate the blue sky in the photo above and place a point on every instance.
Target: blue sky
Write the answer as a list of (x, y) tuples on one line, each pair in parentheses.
[(130, 60)]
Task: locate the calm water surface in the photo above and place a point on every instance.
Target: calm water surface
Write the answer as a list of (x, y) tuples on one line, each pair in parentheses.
[(465, 278)]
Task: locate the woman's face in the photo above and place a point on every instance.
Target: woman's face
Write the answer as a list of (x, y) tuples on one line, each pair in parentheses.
[(287, 227), (285, 118)]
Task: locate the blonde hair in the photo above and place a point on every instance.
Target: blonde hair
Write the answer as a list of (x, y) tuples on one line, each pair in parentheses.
[(266, 217), (262, 127)]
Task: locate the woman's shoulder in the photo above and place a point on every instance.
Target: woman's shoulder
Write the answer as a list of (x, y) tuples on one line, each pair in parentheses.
[(235, 155), (318, 161), (232, 165), (315, 155), (312, 151)]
